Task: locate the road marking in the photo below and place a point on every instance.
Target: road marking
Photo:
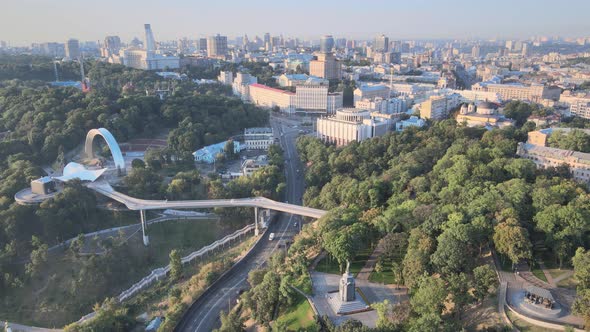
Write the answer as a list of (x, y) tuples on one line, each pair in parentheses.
[(217, 302)]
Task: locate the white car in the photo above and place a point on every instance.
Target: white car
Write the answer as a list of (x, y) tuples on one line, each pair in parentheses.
[(271, 236)]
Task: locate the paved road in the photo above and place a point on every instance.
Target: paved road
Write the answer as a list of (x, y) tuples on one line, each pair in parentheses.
[(204, 314)]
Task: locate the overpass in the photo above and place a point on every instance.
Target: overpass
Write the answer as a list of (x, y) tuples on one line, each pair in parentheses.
[(142, 205)]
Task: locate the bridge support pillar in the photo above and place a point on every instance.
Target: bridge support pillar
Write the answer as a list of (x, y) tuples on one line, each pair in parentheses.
[(256, 228), (146, 238)]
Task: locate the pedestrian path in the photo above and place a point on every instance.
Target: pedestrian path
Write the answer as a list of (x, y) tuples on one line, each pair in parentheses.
[(548, 275), (365, 272)]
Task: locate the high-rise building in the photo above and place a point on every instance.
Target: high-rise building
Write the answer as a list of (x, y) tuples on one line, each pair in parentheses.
[(525, 50), (381, 44), (217, 46), (326, 43), (326, 66), (201, 44), (475, 51), (509, 44), (267, 45), (150, 43), (73, 49), (112, 45)]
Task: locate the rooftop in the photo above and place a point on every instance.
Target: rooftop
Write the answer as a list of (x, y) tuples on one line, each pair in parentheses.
[(262, 86)]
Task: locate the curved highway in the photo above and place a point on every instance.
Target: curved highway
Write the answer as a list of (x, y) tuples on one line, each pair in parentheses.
[(203, 315)]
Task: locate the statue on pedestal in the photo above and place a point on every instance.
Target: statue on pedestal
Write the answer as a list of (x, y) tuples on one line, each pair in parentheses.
[(347, 288)]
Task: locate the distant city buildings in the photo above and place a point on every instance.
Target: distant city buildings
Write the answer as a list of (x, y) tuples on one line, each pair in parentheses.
[(73, 49), (217, 46), (226, 77), (149, 58), (534, 92), (326, 44), (370, 92)]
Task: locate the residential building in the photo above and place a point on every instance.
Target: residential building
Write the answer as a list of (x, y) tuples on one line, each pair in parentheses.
[(258, 138), (581, 109), (73, 49), (325, 66), (413, 121), (226, 77), (371, 92), (241, 85), (351, 124), (209, 153), (381, 44), (438, 107), (535, 149), (393, 106), (217, 46)]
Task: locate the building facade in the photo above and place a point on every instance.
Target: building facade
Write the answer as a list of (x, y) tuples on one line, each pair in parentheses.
[(326, 66), (258, 138), (73, 49), (351, 124), (226, 77), (217, 46)]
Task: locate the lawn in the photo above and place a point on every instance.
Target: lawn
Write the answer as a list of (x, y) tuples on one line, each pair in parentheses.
[(385, 277), (537, 272), (298, 317), (524, 326), (330, 265), (47, 301)]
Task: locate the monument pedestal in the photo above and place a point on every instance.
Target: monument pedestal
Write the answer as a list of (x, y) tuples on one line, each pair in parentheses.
[(347, 300)]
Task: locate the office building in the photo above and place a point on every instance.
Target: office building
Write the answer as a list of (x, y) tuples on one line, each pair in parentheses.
[(226, 77), (326, 66), (351, 124), (534, 93), (217, 46), (381, 44), (326, 44), (112, 45), (475, 51), (258, 138), (371, 92), (73, 49), (292, 80), (307, 98)]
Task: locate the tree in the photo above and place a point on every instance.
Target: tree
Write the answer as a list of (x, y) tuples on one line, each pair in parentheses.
[(231, 322), (229, 150), (454, 253), (512, 240), (137, 164), (416, 261), (379, 268), (38, 257), (485, 281), (143, 183), (175, 265), (429, 296)]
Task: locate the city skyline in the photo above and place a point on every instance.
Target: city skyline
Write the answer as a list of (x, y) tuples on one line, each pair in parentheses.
[(423, 19)]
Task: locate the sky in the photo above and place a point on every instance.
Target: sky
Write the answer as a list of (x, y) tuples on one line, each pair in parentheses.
[(25, 21)]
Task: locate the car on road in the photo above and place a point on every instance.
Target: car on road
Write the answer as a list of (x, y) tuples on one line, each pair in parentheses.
[(295, 224), (271, 236)]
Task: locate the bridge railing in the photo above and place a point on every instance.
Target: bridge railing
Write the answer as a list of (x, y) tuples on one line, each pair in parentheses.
[(161, 272)]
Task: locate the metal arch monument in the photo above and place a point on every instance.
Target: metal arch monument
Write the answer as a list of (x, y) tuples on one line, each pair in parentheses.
[(111, 143)]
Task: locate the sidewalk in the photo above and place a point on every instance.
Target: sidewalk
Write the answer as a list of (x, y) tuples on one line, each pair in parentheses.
[(365, 272)]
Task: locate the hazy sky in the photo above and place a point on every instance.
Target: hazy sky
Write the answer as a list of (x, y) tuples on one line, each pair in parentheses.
[(26, 21)]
